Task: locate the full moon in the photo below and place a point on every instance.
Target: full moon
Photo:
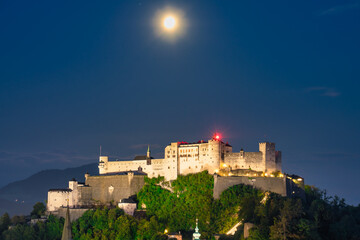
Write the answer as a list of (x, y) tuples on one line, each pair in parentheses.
[(169, 22)]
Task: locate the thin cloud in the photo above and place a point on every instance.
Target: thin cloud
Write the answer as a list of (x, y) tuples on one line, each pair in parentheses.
[(43, 157), (339, 9), (145, 146), (324, 91), (332, 157)]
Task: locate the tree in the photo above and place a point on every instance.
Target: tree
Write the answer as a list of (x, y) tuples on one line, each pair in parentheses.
[(15, 220), (38, 210), (285, 226), (256, 234), (4, 222)]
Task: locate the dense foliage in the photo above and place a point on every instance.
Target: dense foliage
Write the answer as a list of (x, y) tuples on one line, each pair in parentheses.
[(114, 224), (192, 197), (316, 217), (38, 210), (51, 229), (174, 207)]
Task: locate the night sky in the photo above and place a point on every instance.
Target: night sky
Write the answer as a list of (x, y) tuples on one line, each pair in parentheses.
[(75, 75)]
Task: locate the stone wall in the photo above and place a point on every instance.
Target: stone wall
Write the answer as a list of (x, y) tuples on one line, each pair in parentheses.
[(158, 167), (185, 158), (129, 208), (273, 184), (57, 198), (75, 213), (245, 160), (85, 196), (107, 188), (281, 185)]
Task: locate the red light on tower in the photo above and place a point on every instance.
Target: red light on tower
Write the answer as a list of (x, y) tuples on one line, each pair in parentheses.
[(217, 137)]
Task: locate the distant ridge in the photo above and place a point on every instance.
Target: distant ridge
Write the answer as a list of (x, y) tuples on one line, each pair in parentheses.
[(34, 188)]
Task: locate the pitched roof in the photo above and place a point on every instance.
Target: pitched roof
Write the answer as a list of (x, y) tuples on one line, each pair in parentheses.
[(60, 190), (66, 235), (142, 157), (120, 173)]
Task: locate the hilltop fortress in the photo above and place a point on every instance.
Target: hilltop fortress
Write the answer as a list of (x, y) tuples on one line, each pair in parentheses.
[(118, 180), (181, 158)]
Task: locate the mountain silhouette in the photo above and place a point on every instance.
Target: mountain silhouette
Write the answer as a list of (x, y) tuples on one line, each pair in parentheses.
[(18, 197)]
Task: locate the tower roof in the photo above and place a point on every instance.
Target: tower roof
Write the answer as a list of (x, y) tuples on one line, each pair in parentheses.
[(196, 234), (66, 235)]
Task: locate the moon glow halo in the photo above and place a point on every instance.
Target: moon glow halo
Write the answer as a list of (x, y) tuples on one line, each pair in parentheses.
[(169, 22)]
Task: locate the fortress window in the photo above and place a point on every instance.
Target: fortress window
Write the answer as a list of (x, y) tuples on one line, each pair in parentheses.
[(189, 167), (168, 167)]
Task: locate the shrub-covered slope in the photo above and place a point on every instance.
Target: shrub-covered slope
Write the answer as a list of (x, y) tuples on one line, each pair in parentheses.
[(174, 207)]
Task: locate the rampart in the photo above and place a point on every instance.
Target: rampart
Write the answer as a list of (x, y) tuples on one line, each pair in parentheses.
[(281, 185), (108, 188), (75, 213)]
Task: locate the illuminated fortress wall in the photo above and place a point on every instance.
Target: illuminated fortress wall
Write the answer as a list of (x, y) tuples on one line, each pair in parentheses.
[(184, 158), (267, 160), (284, 185), (121, 179), (100, 189)]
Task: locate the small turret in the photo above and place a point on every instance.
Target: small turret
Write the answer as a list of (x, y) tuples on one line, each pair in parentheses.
[(196, 234), (148, 152), (103, 159), (148, 156)]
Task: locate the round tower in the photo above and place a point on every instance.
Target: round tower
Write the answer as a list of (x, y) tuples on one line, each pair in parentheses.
[(214, 159)]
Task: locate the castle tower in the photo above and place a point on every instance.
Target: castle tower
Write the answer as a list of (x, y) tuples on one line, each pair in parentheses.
[(214, 160), (103, 164), (268, 152)]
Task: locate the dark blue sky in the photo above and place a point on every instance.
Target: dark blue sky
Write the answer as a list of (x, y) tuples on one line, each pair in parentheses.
[(78, 74)]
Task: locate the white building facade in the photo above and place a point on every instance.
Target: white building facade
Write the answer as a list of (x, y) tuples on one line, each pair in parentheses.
[(181, 158)]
